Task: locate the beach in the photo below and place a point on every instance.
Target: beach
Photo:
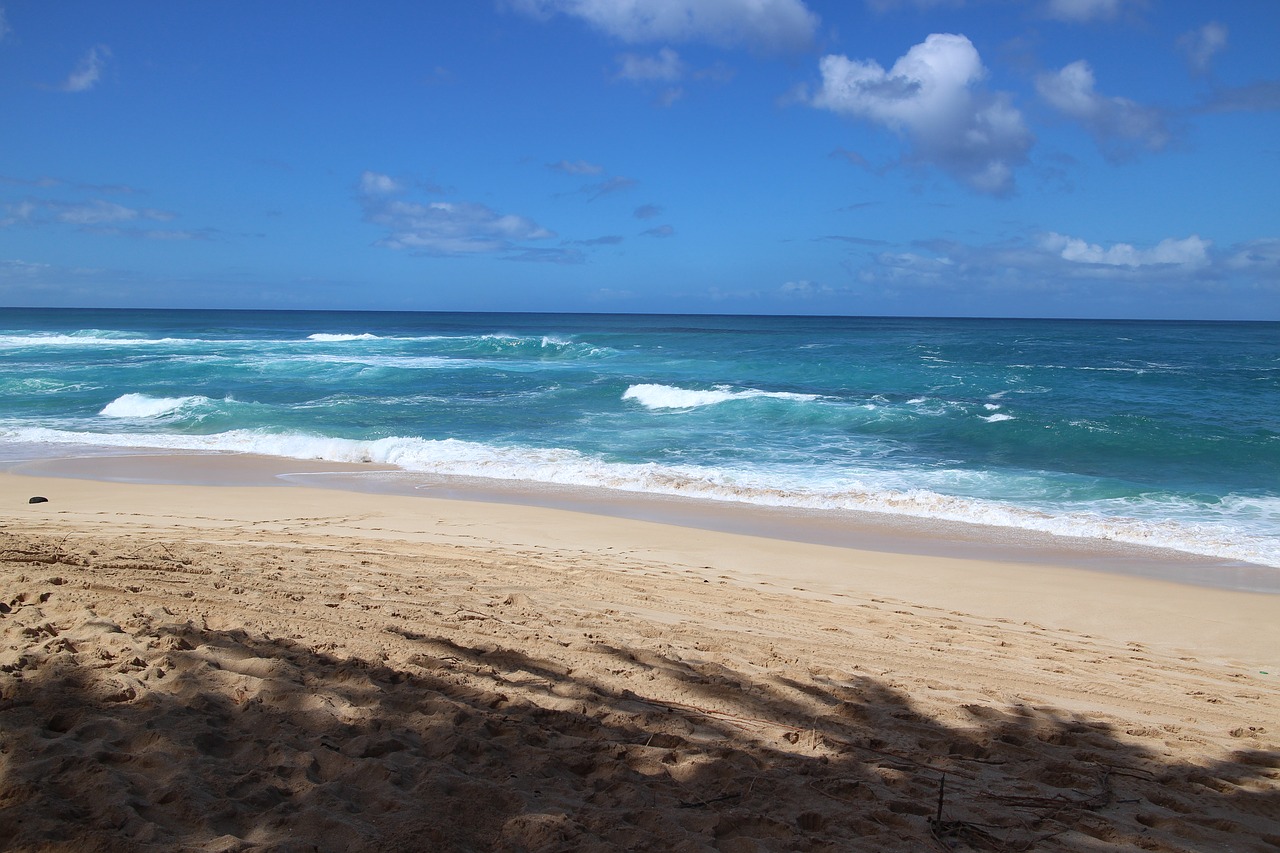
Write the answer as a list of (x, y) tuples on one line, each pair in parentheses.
[(236, 667)]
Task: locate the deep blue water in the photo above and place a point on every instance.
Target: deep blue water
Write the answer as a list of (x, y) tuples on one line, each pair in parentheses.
[(1164, 433)]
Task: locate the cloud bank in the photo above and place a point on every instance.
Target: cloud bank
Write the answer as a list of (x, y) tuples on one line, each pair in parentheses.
[(1053, 261)]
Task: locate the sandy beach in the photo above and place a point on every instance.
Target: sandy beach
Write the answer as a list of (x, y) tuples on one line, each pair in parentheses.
[(273, 667)]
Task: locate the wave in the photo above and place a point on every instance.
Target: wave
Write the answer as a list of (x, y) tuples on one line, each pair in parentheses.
[(1150, 521), (40, 385), (87, 338), (672, 397), (143, 406), (328, 338)]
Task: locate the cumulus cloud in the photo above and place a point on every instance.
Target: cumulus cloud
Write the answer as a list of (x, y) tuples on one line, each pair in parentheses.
[(88, 71), (1190, 252), (1202, 45), (660, 231), (765, 24), (445, 228), (1118, 124), (1079, 11), (647, 211), (932, 96)]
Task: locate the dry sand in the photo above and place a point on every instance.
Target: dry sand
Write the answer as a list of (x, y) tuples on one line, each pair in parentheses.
[(236, 668)]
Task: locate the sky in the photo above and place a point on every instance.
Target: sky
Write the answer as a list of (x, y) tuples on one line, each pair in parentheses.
[(1029, 158)]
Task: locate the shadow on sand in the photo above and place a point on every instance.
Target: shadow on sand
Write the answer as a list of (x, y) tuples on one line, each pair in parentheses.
[(242, 742)]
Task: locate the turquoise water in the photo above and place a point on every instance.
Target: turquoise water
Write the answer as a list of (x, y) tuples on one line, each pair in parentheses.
[(1156, 433)]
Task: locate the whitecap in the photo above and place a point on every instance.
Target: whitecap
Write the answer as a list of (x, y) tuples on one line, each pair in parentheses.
[(671, 397), (143, 406), (323, 337), (1236, 536)]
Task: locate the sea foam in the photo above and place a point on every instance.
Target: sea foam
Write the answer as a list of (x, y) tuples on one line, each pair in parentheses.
[(328, 338), (671, 397), (143, 406), (872, 492)]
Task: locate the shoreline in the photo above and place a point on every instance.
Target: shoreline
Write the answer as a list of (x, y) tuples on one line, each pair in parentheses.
[(239, 667), (1054, 589), (862, 531)]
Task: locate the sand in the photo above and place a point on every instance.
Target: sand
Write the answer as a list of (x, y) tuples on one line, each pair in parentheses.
[(236, 668)]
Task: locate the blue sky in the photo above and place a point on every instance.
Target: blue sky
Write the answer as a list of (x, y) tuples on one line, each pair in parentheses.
[(1058, 158)]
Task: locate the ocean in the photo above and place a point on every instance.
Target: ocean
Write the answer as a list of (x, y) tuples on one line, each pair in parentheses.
[(1153, 433)]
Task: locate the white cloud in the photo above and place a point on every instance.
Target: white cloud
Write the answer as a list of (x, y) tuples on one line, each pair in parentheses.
[(665, 67), (13, 267), (931, 95), (444, 228), (1203, 44), (4, 25), (375, 183), (804, 289), (1116, 123), (88, 72), (1060, 275), (1081, 10), (1189, 252), (450, 228), (96, 213), (768, 24), (17, 212), (669, 96), (90, 214), (99, 212), (668, 69)]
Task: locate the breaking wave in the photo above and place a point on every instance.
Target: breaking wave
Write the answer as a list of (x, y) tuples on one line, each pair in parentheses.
[(672, 397)]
